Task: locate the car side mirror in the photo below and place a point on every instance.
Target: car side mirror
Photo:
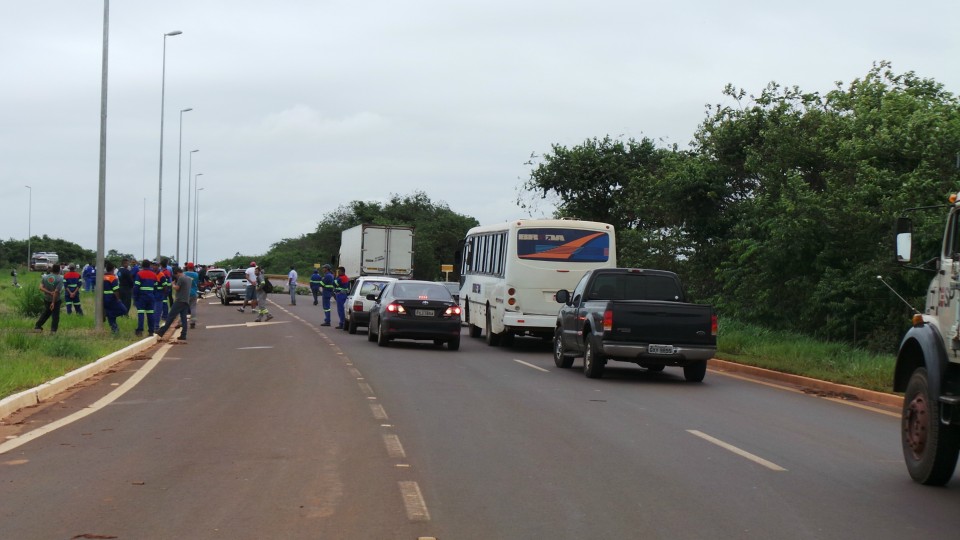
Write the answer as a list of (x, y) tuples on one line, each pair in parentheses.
[(903, 231), (563, 296)]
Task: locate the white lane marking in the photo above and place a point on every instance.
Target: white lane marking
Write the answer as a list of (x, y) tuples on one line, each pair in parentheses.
[(379, 413), (742, 453), (251, 323), (413, 501), (96, 406), (394, 448), (531, 365), (366, 388), (260, 347)]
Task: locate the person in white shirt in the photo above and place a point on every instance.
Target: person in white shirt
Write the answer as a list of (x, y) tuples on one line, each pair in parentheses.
[(251, 292), (292, 283)]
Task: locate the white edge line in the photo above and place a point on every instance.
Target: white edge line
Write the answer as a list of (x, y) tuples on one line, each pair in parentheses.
[(742, 453), (96, 406), (531, 366)]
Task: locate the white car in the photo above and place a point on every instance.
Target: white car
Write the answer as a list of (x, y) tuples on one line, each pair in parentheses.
[(357, 305)]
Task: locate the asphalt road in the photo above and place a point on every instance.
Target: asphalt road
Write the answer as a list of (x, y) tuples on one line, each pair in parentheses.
[(289, 430)]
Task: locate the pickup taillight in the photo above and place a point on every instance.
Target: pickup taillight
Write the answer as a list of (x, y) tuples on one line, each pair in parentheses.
[(608, 320), (227, 286), (713, 325)]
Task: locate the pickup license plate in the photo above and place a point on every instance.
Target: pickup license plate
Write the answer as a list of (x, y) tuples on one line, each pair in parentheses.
[(423, 312), (660, 349)]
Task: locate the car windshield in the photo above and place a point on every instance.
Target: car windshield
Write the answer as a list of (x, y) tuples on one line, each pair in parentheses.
[(372, 287), (421, 291)]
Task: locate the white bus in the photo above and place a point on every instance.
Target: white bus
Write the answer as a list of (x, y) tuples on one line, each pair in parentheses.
[(509, 273)]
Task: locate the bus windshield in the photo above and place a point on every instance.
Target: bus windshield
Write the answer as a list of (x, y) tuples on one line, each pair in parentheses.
[(569, 245)]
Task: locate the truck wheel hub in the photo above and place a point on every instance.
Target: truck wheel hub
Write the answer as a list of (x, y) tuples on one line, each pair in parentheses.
[(915, 425)]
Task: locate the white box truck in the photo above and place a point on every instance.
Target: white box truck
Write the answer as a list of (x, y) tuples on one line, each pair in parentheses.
[(377, 250)]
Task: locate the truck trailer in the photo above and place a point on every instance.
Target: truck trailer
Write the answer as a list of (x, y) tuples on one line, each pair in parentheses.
[(377, 250)]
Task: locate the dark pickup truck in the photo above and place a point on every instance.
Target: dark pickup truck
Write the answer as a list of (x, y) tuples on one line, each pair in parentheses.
[(633, 315)]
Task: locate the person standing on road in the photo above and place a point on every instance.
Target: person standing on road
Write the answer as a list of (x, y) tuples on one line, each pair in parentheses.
[(292, 283), (250, 295), (89, 275), (113, 306), (52, 286), (194, 293), (125, 284), (71, 285), (327, 282), (181, 304), (315, 283), (340, 289), (166, 277), (262, 312), (144, 295)]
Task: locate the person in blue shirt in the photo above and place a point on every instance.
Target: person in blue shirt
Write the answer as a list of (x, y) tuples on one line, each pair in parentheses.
[(194, 293), (328, 282), (315, 283)]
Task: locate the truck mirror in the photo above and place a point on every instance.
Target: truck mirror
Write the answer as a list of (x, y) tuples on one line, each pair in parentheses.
[(903, 232), (563, 296)]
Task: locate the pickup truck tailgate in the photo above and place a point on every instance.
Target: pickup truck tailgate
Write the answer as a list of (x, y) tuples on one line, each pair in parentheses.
[(670, 323)]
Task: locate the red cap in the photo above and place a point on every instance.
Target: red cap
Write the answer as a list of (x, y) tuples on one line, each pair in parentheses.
[(189, 265)]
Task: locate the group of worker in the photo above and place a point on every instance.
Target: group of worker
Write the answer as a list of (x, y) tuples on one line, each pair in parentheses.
[(327, 286), (153, 287)]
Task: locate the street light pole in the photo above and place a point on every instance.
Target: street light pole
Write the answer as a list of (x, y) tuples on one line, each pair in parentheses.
[(29, 221), (196, 229), (163, 83), (101, 205), (179, 171), (189, 194), (143, 248)]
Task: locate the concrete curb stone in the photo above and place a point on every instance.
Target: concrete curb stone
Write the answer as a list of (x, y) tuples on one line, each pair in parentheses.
[(39, 394)]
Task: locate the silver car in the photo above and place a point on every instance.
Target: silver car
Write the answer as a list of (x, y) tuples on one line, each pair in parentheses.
[(357, 307)]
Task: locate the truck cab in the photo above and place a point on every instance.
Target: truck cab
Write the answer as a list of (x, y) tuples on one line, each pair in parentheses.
[(928, 361)]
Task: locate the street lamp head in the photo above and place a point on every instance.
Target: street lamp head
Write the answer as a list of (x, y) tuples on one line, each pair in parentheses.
[(186, 110), (174, 33), (197, 150)]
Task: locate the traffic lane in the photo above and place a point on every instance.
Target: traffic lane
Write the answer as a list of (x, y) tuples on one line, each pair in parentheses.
[(556, 435), (220, 438)]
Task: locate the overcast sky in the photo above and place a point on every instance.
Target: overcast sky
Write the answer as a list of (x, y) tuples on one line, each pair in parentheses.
[(300, 106)]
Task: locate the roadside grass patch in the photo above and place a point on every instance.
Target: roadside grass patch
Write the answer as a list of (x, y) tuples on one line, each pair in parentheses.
[(800, 355)]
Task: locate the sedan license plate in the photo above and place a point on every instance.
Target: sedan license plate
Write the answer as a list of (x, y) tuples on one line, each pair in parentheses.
[(660, 349), (423, 312)]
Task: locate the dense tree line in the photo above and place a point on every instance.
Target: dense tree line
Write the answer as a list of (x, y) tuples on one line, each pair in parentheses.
[(780, 212), (437, 230), (14, 252)]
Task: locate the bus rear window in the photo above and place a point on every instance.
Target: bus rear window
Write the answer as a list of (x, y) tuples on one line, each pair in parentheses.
[(568, 245)]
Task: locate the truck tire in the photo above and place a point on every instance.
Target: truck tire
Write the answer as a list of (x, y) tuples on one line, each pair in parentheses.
[(930, 448), (695, 372), (492, 339), (593, 361), (560, 356)]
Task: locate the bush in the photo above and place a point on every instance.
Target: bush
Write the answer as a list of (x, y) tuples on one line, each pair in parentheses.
[(29, 302)]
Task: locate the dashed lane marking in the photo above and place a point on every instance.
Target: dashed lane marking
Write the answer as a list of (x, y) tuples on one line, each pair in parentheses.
[(413, 501), (742, 453), (394, 448), (531, 365), (266, 323)]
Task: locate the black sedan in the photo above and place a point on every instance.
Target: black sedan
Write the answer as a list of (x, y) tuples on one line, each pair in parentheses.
[(421, 310)]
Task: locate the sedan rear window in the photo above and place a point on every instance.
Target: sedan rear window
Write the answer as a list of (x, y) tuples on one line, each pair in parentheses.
[(421, 291)]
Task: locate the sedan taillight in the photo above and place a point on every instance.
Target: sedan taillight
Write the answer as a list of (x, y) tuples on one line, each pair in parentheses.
[(396, 308), (452, 310)]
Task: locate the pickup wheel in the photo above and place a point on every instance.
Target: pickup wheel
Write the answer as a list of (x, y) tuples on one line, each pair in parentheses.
[(560, 356), (695, 372), (930, 448), (593, 362)]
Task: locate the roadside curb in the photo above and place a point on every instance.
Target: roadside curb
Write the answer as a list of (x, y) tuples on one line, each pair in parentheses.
[(39, 394), (834, 389)]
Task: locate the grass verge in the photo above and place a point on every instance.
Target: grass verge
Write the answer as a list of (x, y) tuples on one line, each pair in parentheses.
[(801, 355)]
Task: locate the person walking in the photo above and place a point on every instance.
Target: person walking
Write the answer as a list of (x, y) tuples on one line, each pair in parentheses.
[(292, 283), (71, 285), (52, 287), (89, 276), (113, 306), (315, 283), (340, 289), (262, 312), (125, 284), (250, 295), (166, 278), (144, 295), (13, 274), (181, 304), (327, 282), (194, 292)]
